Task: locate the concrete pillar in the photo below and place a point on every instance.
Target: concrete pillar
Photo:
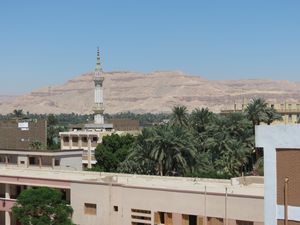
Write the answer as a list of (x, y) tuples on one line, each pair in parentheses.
[(70, 142), (40, 161), (62, 142), (6, 160), (79, 142), (7, 218), (7, 191), (53, 162), (89, 152), (177, 219)]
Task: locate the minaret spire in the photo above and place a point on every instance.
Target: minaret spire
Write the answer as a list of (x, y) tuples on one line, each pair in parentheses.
[(98, 63), (98, 104)]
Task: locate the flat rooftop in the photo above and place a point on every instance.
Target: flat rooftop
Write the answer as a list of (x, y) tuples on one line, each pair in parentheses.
[(249, 186)]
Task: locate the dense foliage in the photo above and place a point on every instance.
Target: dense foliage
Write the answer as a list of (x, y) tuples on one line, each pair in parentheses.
[(200, 144), (42, 206), (113, 150)]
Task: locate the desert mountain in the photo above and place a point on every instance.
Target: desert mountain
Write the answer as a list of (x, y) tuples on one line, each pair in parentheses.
[(154, 92)]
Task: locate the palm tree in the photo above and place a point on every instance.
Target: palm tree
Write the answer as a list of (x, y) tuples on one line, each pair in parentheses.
[(256, 111), (18, 113), (179, 116), (271, 115), (140, 151), (200, 118), (233, 158), (173, 150)]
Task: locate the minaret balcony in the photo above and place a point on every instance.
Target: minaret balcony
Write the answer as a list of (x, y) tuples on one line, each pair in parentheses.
[(98, 109), (98, 80)]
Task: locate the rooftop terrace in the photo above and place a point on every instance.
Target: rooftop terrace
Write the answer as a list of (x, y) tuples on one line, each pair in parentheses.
[(250, 186)]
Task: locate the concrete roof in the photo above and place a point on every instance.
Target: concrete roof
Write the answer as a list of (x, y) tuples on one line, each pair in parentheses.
[(41, 152), (219, 186)]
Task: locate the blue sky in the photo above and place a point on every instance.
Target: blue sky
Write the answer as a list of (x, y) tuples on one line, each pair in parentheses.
[(45, 43)]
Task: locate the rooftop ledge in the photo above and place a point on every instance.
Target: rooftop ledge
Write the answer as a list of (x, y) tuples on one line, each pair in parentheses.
[(246, 186)]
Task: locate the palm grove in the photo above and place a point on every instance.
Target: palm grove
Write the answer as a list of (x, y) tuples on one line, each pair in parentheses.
[(202, 144)]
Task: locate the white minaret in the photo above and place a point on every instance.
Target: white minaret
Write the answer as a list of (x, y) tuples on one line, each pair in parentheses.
[(98, 79)]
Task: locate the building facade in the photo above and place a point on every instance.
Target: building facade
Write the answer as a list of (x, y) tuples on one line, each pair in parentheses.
[(24, 158), (290, 112), (119, 199)]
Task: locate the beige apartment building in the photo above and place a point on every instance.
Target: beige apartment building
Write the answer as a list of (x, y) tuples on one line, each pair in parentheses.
[(120, 199), (87, 140), (290, 111)]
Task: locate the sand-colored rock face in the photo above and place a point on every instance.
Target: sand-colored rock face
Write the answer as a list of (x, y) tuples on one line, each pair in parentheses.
[(155, 92)]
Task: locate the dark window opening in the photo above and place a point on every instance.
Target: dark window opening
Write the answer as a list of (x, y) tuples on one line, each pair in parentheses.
[(116, 208)]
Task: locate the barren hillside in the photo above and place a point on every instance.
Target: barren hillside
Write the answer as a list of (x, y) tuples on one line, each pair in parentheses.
[(154, 92)]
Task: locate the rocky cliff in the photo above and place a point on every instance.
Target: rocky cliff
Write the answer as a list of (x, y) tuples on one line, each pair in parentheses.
[(154, 92)]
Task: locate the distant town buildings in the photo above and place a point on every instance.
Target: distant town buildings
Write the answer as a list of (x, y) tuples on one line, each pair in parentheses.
[(290, 111)]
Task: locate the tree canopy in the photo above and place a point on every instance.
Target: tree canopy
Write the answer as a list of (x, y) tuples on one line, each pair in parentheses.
[(112, 151), (42, 206)]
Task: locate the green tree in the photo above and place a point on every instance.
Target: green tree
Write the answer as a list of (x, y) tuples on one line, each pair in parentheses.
[(179, 116), (173, 150), (259, 166), (139, 160), (271, 115), (42, 206), (18, 113), (113, 150), (256, 111), (200, 118), (36, 145)]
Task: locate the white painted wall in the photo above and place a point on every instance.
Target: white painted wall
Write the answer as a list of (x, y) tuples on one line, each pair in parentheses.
[(271, 137)]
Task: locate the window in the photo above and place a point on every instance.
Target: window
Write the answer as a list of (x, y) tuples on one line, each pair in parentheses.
[(116, 208), (31, 160), (290, 117), (141, 211), (95, 139), (90, 209), (75, 139), (56, 162), (66, 139), (84, 139)]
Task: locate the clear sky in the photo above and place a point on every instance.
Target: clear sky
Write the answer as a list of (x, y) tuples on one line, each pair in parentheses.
[(45, 43)]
